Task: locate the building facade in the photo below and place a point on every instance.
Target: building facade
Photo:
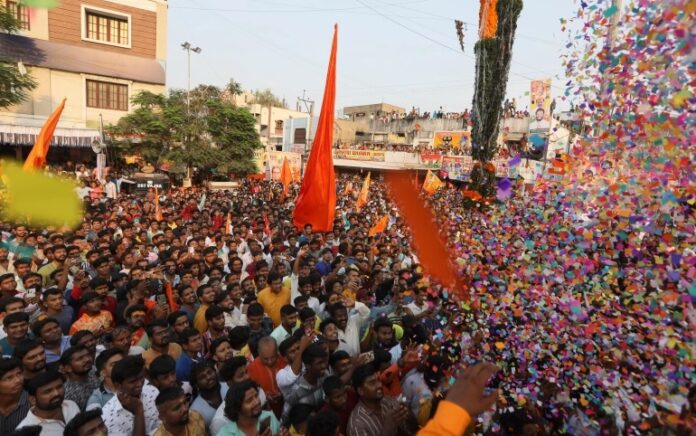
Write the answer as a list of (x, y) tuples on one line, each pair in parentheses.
[(95, 53)]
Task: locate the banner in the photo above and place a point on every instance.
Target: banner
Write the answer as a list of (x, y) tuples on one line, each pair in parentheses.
[(540, 97), (367, 155), (457, 139), (275, 161), (431, 160), (456, 167), (432, 183)]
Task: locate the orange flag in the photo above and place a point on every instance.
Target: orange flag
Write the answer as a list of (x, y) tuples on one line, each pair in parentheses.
[(37, 156), (432, 183), (380, 226), (316, 203), (430, 247), (362, 198), (158, 211), (228, 224), (170, 297), (286, 176)]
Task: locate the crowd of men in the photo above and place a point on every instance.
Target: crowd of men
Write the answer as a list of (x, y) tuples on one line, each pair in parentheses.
[(222, 318)]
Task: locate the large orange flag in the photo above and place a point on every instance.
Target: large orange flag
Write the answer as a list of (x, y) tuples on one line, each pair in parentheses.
[(158, 210), (286, 176), (362, 198), (316, 204), (380, 226), (37, 156)]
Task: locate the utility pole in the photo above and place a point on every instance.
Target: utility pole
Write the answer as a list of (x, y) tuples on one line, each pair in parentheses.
[(309, 108), (187, 46)]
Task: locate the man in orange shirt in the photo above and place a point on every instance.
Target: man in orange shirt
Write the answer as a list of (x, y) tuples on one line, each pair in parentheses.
[(95, 319), (263, 371)]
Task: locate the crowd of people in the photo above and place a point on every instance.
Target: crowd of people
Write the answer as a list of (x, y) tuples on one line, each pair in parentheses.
[(222, 318)]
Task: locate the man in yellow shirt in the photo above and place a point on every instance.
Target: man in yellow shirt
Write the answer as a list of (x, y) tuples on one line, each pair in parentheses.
[(206, 295), (160, 342), (176, 417), (273, 297)]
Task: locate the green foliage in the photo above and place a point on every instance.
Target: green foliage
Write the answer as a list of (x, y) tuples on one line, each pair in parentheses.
[(14, 86), (211, 134), (266, 97)]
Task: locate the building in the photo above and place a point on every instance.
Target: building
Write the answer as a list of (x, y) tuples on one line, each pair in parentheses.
[(371, 111), (95, 53)]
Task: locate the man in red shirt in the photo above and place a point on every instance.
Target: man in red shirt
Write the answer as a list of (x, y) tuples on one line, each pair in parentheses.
[(263, 371)]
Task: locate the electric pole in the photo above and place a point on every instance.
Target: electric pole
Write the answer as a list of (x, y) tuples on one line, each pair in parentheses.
[(309, 108)]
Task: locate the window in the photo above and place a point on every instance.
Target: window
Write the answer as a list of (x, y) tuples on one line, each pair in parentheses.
[(103, 27), (300, 136), (279, 127), (21, 13), (106, 95)]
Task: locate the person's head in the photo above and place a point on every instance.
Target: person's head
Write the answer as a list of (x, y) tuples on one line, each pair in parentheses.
[(89, 423), (234, 370), (308, 318), (159, 333), (191, 341), (92, 302), (135, 316), (106, 360), (52, 299), (32, 355), (173, 407), (328, 329), (288, 316), (8, 283), (121, 338), (289, 348), (315, 359), (128, 375), (255, 316), (87, 339), (76, 361), (367, 384), (221, 350), (340, 314), (16, 326), (22, 266), (299, 415), (335, 393), (162, 372), (206, 294), (215, 317), (384, 331), (178, 321), (242, 400), (10, 305), (46, 391), (340, 362), (11, 376), (275, 281), (204, 377), (323, 424), (48, 330), (539, 114), (268, 351)]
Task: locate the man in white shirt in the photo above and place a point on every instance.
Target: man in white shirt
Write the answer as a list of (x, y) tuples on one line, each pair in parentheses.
[(49, 409), (132, 410), (349, 325)]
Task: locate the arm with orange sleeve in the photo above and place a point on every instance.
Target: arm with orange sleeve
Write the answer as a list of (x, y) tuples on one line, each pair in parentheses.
[(449, 420)]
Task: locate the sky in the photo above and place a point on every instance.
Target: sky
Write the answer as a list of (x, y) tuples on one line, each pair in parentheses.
[(403, 52)]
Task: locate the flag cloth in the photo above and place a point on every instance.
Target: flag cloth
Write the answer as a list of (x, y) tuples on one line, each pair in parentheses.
[(201, 205), (432, 183), (380, 227), (316, 203), (285, 177), (266, 225), (158, 211), (228, 224), (362, 198), (349, 187), (170, 297), (40, 199), (37, 156)]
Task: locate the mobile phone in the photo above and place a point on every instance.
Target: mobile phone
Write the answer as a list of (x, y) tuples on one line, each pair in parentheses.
[(369, 356), (265, 424)]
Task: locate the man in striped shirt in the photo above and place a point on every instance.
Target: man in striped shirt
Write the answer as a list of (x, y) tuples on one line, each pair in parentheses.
[(375, 414)]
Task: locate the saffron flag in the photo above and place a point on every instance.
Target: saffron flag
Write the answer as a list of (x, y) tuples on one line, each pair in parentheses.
[(362, 198), (380, 227), (286, 177), (228, 224), (432, 183), (316, 203), (349, 187), (37, 156), (158, 211), (170, 297)]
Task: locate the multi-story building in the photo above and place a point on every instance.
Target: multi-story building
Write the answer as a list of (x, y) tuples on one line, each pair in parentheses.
[(95, 53)]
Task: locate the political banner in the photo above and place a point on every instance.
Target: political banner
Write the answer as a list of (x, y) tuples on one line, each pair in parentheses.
[(456, 167), (457, 139), (431, 160), (275, 161), (540, 105), (365, 155)]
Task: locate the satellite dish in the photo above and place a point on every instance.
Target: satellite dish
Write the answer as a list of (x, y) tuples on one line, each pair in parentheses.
[(98, 146)]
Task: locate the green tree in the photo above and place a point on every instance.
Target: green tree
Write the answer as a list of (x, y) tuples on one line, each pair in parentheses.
[(15, 84), (209, 132), (266, 97)]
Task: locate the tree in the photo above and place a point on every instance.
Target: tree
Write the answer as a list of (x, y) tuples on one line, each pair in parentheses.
[(211, 134), (266, 98), (15, 84)]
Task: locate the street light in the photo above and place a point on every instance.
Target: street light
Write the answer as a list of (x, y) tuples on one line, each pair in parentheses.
[(187, 46)]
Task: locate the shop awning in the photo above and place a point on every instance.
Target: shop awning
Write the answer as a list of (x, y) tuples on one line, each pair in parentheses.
[(26, 135)]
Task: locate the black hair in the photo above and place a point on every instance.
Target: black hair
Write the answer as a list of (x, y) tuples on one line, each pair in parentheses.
[(300, 413), (134, 308), (51, 291), (332, 383), (230, 367), (77, 337), (326, 322), (235, 398), (197, 369), (273, 276), (337, 356), (68, 354), (7, 364), (216, 343), (24, 347), (307, 313), (255, 309), (288, 310), (161, 365), (171, 319), (40, 324), (213, 312), (313, 352), (300, 299), (287, 344), (362, 373), (28, 430), (15, 318), (72, 428), (323, 424), (6, 301), (187, 334), (382, 322), (104, 357), (129, 366), (168, 395), (42, 379), (335, 308), (150, 328), (239, 336), (201, 289)]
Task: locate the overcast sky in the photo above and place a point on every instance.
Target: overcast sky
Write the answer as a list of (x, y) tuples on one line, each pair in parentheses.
[(403, 52)]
